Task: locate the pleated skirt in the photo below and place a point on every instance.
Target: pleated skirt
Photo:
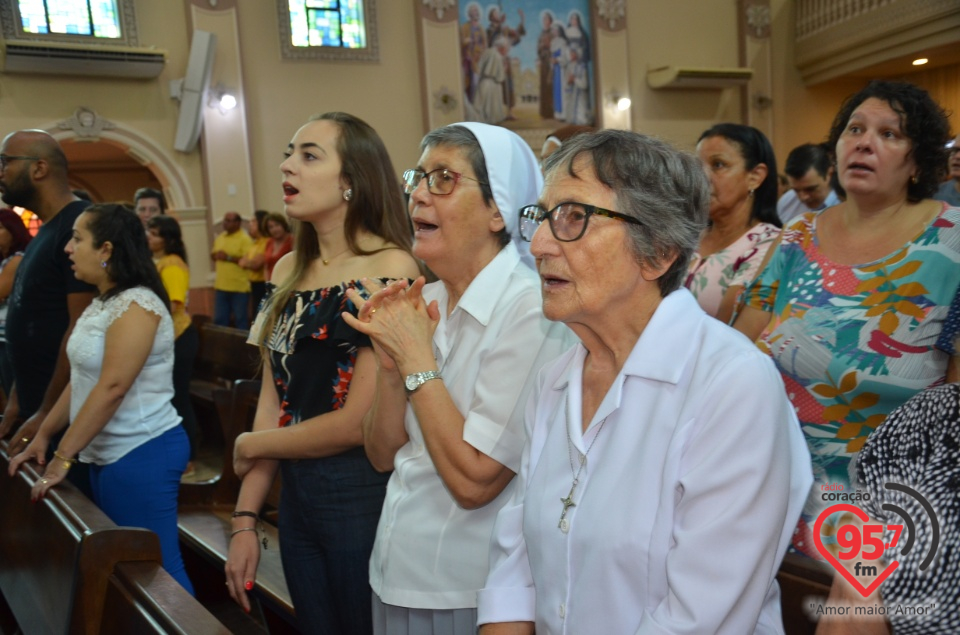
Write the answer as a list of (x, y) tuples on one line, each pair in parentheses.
[(399, 620)]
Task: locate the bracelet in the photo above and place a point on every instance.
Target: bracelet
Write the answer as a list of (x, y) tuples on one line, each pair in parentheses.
[(67, 463), (258, 529), (57, 454)]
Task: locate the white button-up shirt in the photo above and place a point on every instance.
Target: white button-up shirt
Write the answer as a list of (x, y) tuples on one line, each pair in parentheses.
[(431, 553), (695, 475), (790, 207)]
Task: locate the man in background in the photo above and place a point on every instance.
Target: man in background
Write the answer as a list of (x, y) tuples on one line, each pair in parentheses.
[(148, 203), (949, 191), (809, 171), (232, 284), (47, 299)]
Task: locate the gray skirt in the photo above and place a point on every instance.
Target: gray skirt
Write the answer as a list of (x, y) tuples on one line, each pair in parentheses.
[(398, 620)]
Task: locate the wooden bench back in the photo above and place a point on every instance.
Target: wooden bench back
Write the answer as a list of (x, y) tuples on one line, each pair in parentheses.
[(143, 598), (57, 557), (801, 580), (225, 355)]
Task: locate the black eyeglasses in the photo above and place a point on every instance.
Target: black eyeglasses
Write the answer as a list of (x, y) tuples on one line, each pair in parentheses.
[(568, 221), (6, 158), (440, 182)]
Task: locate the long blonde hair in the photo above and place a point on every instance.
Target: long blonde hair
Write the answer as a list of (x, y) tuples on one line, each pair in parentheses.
[(377, 207)]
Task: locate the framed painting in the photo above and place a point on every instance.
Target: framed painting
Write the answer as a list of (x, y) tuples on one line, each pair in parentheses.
[(528, 64)]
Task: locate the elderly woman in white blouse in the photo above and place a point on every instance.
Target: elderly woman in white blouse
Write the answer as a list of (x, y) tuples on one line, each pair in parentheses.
[(664, 468), (457, 358)]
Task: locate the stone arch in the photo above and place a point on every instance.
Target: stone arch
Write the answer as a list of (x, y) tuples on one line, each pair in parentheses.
[(141, 148)]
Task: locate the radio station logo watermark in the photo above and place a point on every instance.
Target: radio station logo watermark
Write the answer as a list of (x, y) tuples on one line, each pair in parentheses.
[(862, 544)]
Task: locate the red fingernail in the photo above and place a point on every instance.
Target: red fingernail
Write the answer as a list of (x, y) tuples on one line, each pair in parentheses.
[(246, 609), (248, 585)]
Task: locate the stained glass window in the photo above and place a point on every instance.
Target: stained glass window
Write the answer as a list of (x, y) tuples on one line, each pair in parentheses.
[(337, 23), (95, 18)]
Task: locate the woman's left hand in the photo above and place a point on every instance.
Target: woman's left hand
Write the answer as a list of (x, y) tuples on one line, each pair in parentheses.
[(241, 461), (51, 476), (399, 322)]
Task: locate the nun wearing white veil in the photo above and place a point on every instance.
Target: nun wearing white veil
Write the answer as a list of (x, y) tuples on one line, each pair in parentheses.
[(457, 358)]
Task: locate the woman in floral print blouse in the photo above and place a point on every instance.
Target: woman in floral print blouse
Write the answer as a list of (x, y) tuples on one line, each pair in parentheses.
[(854, 298), (742, 168)]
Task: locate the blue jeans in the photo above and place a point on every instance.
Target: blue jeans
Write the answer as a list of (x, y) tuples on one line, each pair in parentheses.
[(140, 490), (329, 510), (227, 304)]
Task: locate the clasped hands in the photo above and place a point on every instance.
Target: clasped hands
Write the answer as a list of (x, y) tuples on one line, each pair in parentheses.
[(398, 321)]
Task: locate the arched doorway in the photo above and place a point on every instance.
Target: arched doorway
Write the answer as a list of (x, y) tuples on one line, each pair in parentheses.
[(106, 171)]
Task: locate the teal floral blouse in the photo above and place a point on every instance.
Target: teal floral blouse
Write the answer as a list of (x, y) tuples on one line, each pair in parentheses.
[(854, 342)]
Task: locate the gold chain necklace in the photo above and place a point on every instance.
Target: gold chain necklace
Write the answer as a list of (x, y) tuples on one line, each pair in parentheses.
[(326, 261)]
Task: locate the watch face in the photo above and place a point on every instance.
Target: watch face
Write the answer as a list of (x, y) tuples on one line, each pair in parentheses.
[(412, 381)]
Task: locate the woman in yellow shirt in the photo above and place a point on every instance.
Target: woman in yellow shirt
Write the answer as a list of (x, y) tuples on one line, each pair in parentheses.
[(166, 243), (253, 262)]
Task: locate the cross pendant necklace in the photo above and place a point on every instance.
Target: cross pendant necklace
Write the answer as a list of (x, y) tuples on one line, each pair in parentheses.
[(568, 501)]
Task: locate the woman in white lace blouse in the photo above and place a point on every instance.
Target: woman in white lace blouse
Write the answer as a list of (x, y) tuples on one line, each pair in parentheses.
[(118, 401)]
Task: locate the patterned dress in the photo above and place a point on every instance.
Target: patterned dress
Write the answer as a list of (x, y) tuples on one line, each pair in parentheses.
[(329, 506), (312, 351), (854, 342), (737, 265)]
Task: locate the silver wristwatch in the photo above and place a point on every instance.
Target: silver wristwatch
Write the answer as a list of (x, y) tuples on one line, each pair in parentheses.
[(415, 380)]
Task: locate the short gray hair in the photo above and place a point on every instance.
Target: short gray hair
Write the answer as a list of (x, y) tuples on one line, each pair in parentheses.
[(662, 187)]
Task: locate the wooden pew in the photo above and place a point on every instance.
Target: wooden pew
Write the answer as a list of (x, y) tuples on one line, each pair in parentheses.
[(205, 535), (204, 518), (67, 568), (224, 357), (802, 581)]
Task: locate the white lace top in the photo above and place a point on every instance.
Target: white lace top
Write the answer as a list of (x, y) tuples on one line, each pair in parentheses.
[(146, 411)]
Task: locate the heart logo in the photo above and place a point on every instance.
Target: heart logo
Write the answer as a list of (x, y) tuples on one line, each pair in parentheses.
[(859, 513)]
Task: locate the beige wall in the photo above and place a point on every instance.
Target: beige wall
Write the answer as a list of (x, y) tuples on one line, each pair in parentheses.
[(681, 33), (802, 113), (279, 95), (143, 106), (282, 94)]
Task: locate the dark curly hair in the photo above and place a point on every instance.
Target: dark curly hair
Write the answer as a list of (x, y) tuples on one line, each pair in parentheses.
[(131, 264), (755, 149), (169, 230), (922, 120)]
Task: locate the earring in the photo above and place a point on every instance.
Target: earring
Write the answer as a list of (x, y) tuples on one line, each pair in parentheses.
[(348, 194), (914, 179), (750, 193), (103, 264)]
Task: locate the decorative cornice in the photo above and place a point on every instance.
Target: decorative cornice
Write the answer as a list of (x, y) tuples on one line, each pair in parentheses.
[(841, 33), (439, 11), (86, 124), (609, 15), (756, 19), (857, 21)]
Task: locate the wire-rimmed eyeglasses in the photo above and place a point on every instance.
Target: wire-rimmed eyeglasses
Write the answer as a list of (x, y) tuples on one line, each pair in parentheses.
[(440, 181), (568, 221)]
